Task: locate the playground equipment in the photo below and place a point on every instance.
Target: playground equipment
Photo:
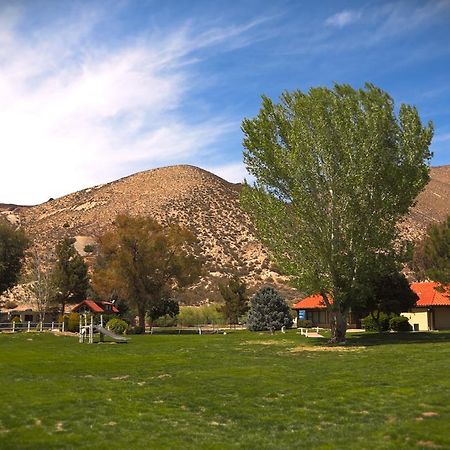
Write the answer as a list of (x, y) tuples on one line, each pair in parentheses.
[(89, 328)]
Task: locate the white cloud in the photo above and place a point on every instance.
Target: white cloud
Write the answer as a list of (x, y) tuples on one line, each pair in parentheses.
[(74, 114), (343, 18), (442, 137), (232, 172)]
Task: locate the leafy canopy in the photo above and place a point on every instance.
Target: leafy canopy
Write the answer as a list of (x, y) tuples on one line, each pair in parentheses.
[(13, 244), (234, 294), (70, 273), (335, 170), (142, 262)]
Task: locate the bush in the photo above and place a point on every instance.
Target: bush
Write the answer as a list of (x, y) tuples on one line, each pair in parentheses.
[(268, 311), (72, 322), (370, 324), (89, 248), (16, 319), (304, 323), (399, 323), (166, 321), (200, 315), (117, 326)]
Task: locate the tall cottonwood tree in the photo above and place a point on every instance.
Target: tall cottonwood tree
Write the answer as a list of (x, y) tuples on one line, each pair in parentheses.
[(13, 244), (335, 170), (142, 262)]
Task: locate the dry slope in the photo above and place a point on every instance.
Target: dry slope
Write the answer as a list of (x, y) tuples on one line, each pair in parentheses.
[(206, 204)]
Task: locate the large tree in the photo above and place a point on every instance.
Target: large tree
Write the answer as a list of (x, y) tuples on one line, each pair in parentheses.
[(70, 277), (142, 262), (13, 244), (335, 170), (432, 254)]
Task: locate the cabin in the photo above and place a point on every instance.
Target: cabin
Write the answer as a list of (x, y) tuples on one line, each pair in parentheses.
[(313, 308), (89, 306), (432, 310)]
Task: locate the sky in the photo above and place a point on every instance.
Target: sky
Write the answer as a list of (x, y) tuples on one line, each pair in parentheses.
[(91, 91)]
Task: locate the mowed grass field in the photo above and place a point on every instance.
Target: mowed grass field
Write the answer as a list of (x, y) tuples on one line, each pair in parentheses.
[(240, 390)]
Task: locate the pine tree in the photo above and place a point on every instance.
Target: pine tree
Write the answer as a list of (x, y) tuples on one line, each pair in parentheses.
[(268, 311)]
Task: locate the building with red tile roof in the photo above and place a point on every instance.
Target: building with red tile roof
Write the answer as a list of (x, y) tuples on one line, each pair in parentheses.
[(313, 309), (95, 307), (432, 310)]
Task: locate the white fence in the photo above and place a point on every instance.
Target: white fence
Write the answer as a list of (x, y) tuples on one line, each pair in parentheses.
[(31, 326)]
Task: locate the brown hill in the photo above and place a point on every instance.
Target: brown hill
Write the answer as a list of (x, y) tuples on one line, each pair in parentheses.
[(433, 204), (204, 203), (207, 205)]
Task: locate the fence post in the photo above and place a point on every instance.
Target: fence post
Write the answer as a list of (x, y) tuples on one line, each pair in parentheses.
[(14, 326), (63, 325), (53, 325), (28, 328)]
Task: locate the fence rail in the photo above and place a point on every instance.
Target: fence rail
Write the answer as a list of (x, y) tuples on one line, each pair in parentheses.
[(31, 326)]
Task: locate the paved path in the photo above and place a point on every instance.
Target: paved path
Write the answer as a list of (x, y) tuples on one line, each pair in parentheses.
[(314, 334)]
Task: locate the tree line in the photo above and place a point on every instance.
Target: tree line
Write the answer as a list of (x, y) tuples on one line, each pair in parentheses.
[(335, 171)]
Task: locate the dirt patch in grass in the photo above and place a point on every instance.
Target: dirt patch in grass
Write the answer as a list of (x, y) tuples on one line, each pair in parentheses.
[(269, 342), (428, 444), (303, 348)]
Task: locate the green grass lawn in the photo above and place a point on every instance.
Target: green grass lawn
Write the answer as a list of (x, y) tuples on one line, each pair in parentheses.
[(240, 390)]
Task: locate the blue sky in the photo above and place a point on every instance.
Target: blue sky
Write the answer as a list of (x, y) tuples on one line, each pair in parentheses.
[(92, 91)]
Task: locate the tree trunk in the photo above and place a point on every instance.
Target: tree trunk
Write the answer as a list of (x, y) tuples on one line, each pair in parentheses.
[(338, 326), (141, 316)]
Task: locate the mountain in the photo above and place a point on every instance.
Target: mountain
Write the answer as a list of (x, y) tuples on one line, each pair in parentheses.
[(204, 203)]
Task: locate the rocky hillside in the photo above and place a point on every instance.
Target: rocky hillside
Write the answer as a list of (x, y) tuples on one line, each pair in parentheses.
[(197, 199), (433, 204), (206, 204)]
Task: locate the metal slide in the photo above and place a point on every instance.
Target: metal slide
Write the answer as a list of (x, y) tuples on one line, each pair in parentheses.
[(112, 335)]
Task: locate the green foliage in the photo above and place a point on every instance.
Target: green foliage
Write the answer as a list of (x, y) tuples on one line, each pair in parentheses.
[(166, 321), (335, 170), (72, 322), (142, 262), (16, 319), (268, 311), (117, 325), (236, 300), (399, 323), (304, 323), (89, 248), (389, 293), (377, 321), (70, 274), (13, 244), (432, 255), (166, 307), (200, 315)]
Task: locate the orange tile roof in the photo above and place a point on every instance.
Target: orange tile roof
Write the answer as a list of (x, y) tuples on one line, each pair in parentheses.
[(96, 307), (429, 296), (312, 302)]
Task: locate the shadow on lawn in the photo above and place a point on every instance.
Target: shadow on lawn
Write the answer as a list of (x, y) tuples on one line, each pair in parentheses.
[(370, 339)]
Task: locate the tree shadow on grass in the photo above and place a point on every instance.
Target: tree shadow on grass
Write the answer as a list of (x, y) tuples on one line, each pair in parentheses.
[(422, 337)]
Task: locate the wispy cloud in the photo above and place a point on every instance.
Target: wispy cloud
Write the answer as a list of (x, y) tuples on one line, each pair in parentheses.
[(441, 138), (343, 18), (76, 113)]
